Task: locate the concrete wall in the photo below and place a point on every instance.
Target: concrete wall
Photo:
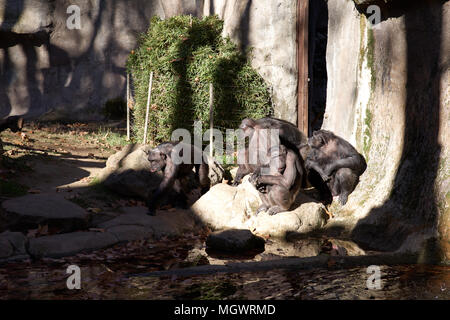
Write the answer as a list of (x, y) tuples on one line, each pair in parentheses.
[(47, 68), (388, 93)]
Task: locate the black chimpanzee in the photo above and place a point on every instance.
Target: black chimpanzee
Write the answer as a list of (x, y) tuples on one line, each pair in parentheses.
[(289, 136), (336, 161), (279, 188), (161, 158)]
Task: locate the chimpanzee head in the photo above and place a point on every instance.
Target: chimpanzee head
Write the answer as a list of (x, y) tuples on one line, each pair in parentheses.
[(320, 138), (157, 160), (248, 126)]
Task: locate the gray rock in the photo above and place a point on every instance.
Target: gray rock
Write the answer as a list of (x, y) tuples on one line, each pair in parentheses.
[(234, 240), (69, 243), (226, 207), (167, 223), (129, 232), (13, 245), (127, 172), (348, 248), (196, 256), (17, 240), (43, 209), (300, 248), (6, 249)]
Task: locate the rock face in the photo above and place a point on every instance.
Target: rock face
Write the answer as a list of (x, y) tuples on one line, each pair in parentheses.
[(128, 172), (234, 240), (225, 207), (402, 201), (74, 72), (52, 210)]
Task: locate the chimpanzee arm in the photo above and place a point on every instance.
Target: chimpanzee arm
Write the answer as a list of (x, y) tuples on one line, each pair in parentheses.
[(170, 175), (353, 162), (316, 167), (241, 172), (289, 175)]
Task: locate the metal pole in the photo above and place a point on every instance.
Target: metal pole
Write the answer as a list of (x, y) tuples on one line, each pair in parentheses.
[(128, 107), (211, 117), (149, 100)]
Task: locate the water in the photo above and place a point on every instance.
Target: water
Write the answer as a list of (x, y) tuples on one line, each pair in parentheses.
[(105, 275)]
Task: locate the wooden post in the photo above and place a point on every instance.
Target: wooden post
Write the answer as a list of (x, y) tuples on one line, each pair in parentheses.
[(149, 100), (302, 59), (211, 117), (128, 107)]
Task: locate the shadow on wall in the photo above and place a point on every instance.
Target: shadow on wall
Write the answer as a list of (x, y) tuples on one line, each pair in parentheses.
[(12, 11), (317, 65), (71, 81), (411, 212)]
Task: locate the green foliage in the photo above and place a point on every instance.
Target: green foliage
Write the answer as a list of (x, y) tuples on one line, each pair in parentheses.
[(367, 133), (115, 109), (186, 54)]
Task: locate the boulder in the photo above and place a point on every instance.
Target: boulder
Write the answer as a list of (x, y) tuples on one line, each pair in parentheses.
[(301, 248), (234, 240), (125, 233), (167, 223), (12, 244), (67, 244), (227, 207), (50, 209), (128, 172)]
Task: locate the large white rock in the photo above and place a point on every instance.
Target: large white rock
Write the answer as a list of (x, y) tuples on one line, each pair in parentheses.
[(227, 207)]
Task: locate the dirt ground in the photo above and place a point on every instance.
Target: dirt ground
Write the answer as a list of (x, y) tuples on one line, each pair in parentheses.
[(58, 158)]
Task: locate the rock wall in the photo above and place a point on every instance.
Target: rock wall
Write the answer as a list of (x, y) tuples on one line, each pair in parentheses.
[(47, 68), (388, 94)]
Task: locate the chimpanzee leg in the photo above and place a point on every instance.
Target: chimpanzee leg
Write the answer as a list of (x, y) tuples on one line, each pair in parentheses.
[(203, 177), (324, 191), (178, 198), (345, 181), (266, 203), (280, 200)]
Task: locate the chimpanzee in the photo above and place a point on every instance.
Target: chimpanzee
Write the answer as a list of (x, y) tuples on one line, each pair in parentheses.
[(336, 161), (289, 136), (162, 158), (279, 189), (14, 123)]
